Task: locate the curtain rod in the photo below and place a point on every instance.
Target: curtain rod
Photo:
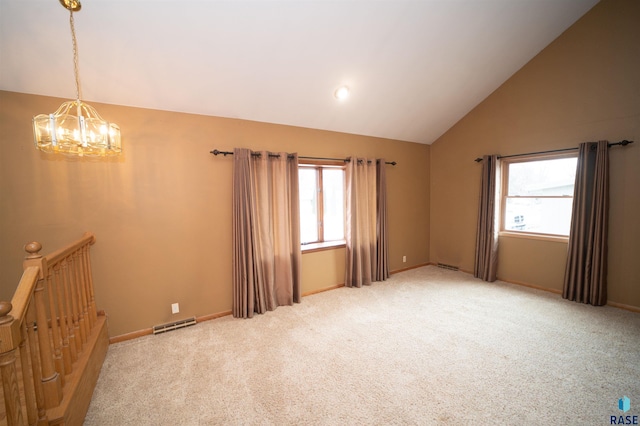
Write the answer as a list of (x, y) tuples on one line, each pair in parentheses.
[(623, 143), (257, 154)]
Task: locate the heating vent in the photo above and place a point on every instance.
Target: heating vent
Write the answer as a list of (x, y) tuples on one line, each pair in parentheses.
[(163, 328), (449, 267)]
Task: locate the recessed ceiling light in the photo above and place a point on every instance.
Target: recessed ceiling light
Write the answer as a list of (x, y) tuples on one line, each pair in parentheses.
[(342, 92)]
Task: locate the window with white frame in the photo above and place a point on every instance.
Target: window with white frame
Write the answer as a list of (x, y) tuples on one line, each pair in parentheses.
[(322, 203), (537, 194)]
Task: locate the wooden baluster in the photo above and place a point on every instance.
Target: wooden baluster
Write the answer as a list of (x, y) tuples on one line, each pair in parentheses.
[(73, 291), (71, 330), (9, 377), (35, 364), (50, 286), (27, 377), (64, 330), (85, 284), (50, 377), (89, 280), (82, 305)]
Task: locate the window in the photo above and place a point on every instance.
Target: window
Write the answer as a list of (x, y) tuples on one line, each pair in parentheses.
[(321, 203), (538, 194)]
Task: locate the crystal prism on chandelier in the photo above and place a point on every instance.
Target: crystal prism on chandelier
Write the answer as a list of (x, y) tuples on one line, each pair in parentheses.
[(76, 128)]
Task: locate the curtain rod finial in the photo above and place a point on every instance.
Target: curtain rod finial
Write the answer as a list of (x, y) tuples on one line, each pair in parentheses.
[(218, 152), (477, 160)]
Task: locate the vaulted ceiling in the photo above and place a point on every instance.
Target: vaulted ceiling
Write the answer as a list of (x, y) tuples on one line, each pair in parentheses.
[(414, 68)]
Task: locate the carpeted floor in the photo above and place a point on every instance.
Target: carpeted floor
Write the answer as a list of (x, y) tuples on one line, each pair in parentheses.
[(428, 346)]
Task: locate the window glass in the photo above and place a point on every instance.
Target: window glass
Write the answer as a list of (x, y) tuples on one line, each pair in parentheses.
[(539, 195), (321, 203), (333, 207), (545, 177), (539, 215), (308, 183)]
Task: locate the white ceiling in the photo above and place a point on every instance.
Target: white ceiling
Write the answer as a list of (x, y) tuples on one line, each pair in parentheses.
[(414, 67)]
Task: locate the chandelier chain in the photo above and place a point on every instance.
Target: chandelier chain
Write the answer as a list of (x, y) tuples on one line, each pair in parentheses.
[(75, 54)]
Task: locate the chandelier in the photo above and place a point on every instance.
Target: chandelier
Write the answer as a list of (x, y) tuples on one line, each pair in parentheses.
[(76, 128)]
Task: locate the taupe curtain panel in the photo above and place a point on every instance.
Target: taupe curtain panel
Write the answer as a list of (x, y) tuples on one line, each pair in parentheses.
[(486, 262), (366, 229), (585, 278), (382, 245), (266, 232)]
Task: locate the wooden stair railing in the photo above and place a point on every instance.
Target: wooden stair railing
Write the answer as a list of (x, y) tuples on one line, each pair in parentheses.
[(52, 340)]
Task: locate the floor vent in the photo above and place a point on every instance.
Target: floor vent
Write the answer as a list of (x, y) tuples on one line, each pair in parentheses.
[(163, 328), (449, 267)]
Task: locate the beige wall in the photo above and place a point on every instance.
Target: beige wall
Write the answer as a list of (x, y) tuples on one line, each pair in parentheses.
[(585, 86), (162, 212)]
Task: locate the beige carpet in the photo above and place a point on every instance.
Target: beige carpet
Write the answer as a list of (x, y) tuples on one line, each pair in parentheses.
[(428, 346)]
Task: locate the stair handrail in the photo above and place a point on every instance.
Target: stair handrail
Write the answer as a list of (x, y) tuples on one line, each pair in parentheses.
[(55, 293)]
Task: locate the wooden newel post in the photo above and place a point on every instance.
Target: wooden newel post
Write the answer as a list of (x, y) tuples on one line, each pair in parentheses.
[(51, 383), (33, 248), (8, 372)]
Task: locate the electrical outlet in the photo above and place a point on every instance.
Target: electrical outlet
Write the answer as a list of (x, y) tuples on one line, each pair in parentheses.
[(175, 308), (404, 259)]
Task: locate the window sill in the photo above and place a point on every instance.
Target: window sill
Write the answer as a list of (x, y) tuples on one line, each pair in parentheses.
[(329, 245), (528, 236)]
